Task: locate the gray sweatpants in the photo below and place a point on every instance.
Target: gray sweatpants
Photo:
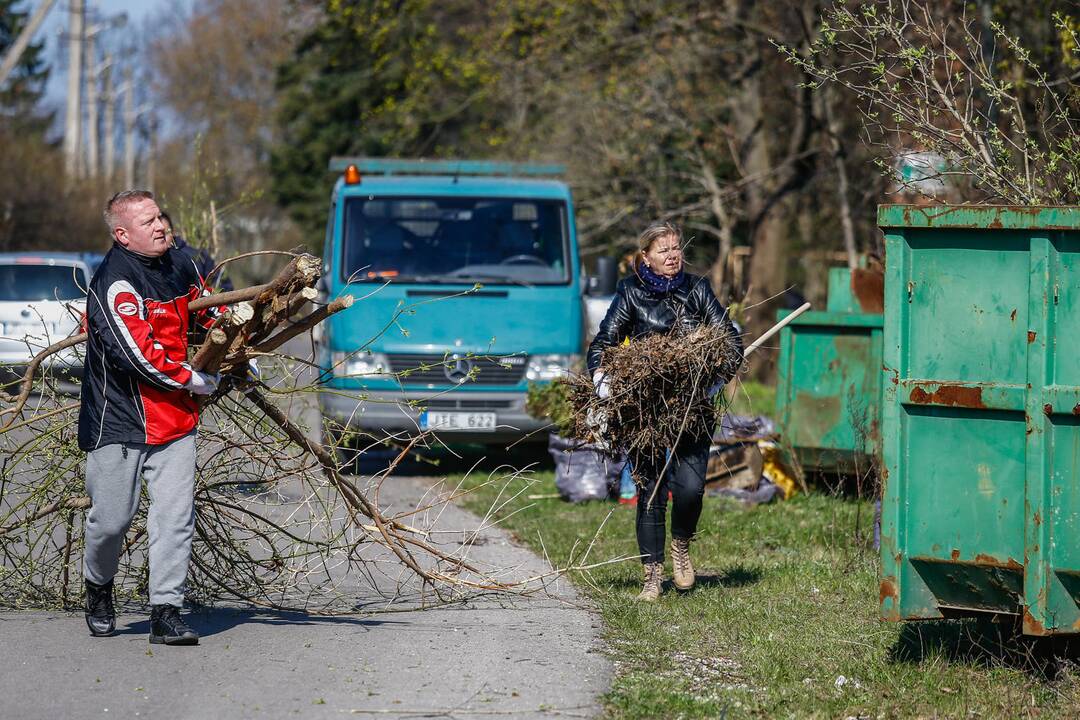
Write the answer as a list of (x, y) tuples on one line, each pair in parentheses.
[(114, 476)]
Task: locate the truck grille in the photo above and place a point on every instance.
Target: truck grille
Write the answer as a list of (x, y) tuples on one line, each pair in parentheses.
[(442, 404), (432, 369)]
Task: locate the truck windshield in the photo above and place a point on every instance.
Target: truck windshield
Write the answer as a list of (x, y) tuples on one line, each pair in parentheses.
[(25, 282), (454, 240)]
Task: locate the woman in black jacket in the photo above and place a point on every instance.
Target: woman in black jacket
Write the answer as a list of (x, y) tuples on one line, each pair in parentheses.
[(657, 298)]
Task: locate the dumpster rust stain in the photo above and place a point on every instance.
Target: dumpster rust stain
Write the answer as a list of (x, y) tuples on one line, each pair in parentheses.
[(887, 590), (1012, 315), (825, 416), (868, 289), (1033, 626), (1076, 409), (1048, 409), (1010, 563), (955, 554), (1031, 336), (950, 395)]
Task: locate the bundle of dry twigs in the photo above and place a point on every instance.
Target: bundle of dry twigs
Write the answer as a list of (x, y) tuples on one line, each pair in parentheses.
[(658, 390)]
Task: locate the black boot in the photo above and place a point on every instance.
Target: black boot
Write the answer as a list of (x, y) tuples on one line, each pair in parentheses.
[(167, 627), (100, 612)]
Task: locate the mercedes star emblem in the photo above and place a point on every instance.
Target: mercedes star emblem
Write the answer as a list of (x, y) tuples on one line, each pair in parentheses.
[(458, 368)]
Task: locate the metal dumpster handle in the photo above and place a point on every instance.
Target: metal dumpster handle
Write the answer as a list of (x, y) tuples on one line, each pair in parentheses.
[(775, 329)]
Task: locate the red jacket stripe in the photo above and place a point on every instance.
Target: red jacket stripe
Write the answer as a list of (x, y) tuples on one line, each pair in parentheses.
[(127, 314)]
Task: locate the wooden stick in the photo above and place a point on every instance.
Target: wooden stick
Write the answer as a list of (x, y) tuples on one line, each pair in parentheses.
[(775, 329), (302, 271), (71, 503), (217, 341), (305, 324), (286, 307), (226, 298)]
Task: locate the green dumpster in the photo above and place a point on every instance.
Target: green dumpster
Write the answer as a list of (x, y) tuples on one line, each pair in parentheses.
[(828, 391), (981, 414)]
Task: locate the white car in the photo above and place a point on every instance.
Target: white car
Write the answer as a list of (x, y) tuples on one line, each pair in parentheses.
[(42, 301)]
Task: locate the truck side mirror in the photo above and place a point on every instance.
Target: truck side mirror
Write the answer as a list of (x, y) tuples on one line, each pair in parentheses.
[(606, 278)]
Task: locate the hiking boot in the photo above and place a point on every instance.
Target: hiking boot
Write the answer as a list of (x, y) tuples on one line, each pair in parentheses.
[(100, 611), (654, 577), (683, 571), (166, 627)]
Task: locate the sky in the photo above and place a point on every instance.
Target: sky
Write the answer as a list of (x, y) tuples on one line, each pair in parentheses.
[(97, 10)]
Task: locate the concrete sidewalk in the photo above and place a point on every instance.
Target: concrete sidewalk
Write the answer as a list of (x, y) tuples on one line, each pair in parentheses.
[(528, 658)]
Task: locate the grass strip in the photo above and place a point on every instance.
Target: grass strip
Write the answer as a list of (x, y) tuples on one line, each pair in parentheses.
[(783, 621)]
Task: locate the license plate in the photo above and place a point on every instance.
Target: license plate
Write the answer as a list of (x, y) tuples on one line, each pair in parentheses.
[(454, 421)]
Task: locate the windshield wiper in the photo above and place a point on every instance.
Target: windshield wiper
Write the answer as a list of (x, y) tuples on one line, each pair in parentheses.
[(482, 277)]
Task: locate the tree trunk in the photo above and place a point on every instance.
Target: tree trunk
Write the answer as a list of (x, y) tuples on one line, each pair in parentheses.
[(718, 272), (770, 175), (839, 158)]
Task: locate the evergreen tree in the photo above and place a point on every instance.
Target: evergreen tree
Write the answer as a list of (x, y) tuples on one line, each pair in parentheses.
[(22, 92), (378, 78)]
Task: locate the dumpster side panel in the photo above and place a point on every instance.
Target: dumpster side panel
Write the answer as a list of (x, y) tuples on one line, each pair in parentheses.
[(956, 477), (967, 300), (981, 415), (828, 394), (839, 299), (1052, 587)]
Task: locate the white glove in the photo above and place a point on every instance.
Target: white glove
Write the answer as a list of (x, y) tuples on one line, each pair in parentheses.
[(202, 383), (596, 421), (253, 373), (600, 382)]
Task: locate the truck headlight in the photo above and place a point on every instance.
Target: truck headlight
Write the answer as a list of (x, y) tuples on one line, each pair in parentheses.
[(549, 367), (363, 364)]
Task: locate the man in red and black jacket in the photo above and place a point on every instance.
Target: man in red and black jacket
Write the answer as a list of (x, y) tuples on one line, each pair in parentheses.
[(138, 413)]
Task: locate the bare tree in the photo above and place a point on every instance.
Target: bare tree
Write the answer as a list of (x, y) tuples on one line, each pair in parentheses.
[(930, 79)]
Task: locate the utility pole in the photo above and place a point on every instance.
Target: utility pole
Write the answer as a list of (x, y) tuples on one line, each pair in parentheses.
[(91, 159), (129, 129), (109, 120), (131, 118), (94, 97), (11, 59), (94, 72), (73, 117), (151, 152)]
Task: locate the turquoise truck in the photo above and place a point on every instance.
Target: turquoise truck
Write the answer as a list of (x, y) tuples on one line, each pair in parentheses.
[(469, 288)]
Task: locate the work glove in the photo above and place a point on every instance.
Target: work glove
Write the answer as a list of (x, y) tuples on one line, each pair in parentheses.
[(596, 420), (600, 382), (202, 383)]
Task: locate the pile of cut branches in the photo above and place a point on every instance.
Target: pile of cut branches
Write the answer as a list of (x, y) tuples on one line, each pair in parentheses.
[(658, 390), (278, 521)]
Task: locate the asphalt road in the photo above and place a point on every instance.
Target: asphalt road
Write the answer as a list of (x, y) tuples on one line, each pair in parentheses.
[(537, 657), (528, 658)]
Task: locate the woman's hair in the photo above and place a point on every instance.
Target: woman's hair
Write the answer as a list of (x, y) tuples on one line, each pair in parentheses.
[(655, 231)]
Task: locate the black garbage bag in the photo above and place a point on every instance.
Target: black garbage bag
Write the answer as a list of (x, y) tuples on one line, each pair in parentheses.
[(581, 471)]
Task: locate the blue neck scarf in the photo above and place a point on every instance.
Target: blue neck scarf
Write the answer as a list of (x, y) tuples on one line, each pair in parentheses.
[(660, 283)]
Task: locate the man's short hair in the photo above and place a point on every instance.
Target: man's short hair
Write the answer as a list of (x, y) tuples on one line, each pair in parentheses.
[(121, 201)]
